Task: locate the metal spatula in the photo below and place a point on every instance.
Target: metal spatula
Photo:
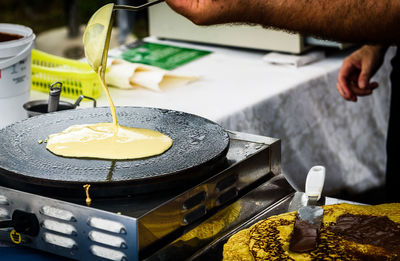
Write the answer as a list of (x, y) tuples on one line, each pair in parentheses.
[(306, 229), (98, 30)]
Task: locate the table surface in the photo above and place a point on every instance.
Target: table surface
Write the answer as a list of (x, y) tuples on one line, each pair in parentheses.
[(301, 106)]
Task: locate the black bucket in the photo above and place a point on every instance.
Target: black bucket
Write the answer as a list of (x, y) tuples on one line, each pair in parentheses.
[(38, 107)]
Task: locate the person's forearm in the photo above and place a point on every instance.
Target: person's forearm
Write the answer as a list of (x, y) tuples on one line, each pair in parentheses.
[(362, 21), (344, 20)]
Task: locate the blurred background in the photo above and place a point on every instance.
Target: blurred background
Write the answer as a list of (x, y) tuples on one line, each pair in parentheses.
[(59, 24)]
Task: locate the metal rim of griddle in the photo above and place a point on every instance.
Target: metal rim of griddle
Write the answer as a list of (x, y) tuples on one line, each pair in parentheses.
[(200, 147)]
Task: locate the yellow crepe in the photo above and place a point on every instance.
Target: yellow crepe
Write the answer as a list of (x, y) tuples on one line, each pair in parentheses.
[(105, 140), (269, 239), (127, 75), (100, 141)]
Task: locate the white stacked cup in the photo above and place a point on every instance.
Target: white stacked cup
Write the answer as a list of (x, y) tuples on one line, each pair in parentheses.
[(15, 73)]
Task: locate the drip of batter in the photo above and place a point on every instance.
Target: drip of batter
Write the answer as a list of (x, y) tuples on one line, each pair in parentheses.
[(88, 199), (105, 140)]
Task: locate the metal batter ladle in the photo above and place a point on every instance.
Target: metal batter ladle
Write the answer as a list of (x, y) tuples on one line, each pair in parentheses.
[(96, 38), (136, 8)]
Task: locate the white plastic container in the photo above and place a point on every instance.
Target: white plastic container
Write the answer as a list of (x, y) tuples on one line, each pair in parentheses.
[(15, 73)]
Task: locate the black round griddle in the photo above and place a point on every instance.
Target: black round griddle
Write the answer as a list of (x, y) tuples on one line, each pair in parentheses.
[(199, 146)]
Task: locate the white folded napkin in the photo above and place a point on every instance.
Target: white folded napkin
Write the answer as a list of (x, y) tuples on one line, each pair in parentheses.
[(293, 60), (128, 75)]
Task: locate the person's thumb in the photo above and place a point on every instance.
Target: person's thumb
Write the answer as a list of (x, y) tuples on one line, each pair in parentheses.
[(365, 75)]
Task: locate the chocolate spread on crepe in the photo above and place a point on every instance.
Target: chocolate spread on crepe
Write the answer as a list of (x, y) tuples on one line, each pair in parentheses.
[(372, 230), (363, 229), (304, 236)]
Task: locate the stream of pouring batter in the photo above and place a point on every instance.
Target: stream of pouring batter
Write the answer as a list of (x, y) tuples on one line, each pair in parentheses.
[(110, 102), (105, 140)]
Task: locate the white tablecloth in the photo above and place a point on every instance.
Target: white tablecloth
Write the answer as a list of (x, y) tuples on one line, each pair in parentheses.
[(300, 106)]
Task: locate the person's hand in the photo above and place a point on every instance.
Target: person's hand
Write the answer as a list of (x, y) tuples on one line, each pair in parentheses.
[(357, 70), (207, 12)]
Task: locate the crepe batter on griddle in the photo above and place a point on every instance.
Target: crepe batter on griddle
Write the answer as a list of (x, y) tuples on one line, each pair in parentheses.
[(105, 140)]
